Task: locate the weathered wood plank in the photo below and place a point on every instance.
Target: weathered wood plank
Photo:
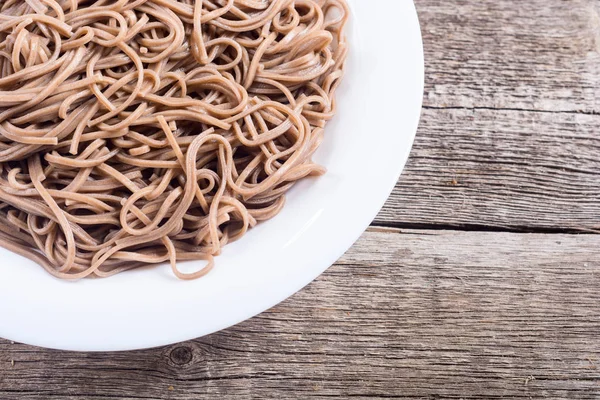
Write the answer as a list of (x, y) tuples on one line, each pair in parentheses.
[(414, 314), (535, 54), (509, 135), (503, 169)]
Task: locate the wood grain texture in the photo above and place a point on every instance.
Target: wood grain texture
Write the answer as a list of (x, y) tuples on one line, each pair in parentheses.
[(539, 55), (489, 169), (510, 131), (414, 314)]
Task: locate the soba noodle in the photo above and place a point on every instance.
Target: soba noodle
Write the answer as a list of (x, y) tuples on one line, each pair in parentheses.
[(138, 132)]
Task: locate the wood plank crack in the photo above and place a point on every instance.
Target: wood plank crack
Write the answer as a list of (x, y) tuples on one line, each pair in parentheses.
[(491, 108)]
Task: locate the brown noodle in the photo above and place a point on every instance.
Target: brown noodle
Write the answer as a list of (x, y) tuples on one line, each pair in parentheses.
[(136, 132)]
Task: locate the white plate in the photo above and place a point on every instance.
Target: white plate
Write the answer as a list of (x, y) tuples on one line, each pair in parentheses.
[(365, 149)]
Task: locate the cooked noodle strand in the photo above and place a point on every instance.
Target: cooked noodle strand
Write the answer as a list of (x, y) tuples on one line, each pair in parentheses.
[(138, 132)]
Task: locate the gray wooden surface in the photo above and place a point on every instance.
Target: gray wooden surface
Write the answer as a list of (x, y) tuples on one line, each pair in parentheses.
[(479, 279)]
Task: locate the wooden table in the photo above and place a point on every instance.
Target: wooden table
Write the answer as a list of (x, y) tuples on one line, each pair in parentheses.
[(480, 277)]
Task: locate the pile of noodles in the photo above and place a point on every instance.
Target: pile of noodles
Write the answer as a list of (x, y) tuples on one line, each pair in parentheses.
[(137, 132)]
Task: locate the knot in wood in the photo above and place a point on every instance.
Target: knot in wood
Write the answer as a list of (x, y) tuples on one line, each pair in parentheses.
[(181, 355)]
